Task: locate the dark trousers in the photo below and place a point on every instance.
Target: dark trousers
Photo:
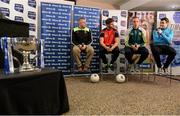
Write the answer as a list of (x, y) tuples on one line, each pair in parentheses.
[(129, 52), (158, 50), (115, 54)]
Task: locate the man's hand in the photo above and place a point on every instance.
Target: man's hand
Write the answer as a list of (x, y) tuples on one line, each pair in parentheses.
[(108, 48), (83, 47), (135, 47), (80, 46), (159, 31)]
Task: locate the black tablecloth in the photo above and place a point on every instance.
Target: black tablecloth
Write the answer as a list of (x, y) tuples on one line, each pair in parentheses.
[(41, 92)]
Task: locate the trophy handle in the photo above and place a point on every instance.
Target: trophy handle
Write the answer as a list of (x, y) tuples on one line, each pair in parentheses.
[(33, 59), (16, 59), (17, 50)]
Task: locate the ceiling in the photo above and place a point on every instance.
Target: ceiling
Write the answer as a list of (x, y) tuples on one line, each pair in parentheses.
[(144, 4), (160, 5), (113, 2)]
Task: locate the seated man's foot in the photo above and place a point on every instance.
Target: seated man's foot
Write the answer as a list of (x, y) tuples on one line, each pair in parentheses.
[(166, 71), (85, 69), (160, 71), (106, 66), (136, 68), (131, 68), (111, 66), (80, 69)]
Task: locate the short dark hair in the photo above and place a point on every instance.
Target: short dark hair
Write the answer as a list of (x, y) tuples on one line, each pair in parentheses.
[(135, 17), (165, 19), (109, 20), (81, 18)]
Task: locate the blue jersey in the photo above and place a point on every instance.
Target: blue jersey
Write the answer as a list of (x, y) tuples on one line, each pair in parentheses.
[(165, 38)]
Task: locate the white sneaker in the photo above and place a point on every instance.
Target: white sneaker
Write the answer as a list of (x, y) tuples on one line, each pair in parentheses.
[(131, 68), (166, 71), (160, 71), (137, 70)]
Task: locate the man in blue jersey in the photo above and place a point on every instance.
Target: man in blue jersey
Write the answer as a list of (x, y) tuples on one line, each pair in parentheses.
[(162, 38)]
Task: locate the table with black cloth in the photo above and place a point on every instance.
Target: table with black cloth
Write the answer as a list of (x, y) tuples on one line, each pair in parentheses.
[(39, 92)]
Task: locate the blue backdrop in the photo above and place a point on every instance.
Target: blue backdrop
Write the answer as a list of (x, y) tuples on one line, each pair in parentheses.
[(56, 33)]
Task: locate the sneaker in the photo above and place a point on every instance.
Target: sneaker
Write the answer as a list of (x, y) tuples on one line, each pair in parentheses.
[(111, 66), (136, 69), (131, 68), (105, 67), (166, 71), (80, 69), (160, 71), (85, 69)]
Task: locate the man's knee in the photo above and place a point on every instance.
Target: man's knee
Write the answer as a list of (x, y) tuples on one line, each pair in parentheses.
[(155, 50), (76, 50), (173, 52), (90, 50), (144, 51), (127, 50), (116, 50)]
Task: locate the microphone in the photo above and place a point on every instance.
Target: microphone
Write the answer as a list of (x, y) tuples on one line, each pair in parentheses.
[(158, 28)]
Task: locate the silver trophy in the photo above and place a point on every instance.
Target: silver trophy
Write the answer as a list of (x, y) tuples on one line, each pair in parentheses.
[(26, 46)]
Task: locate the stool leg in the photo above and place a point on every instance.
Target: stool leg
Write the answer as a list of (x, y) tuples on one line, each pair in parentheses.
[(101, 75), (141, 74), (154, 77), (148, 76), (170, 74)]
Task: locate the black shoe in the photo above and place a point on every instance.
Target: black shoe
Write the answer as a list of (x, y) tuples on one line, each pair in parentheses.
[(105, 68), (111, 66)]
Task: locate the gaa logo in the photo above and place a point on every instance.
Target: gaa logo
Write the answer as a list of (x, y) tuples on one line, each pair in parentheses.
[(31, 15), (5, 11), (123, 23), (122, 32), (19, 19), (32, 27), (5, 1), (115, 18), (123, 13), (162, 16), (32, 3), (176, 17), (19, 7), (106, 13)]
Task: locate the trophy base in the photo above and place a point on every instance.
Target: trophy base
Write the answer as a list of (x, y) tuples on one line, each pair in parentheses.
[(28, 68)]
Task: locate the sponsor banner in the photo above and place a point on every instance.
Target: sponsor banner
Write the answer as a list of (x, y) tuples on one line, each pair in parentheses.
[(56, 33), (22, 11)]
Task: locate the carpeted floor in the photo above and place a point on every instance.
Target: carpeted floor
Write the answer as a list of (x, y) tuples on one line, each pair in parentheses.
[(133, 97)]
